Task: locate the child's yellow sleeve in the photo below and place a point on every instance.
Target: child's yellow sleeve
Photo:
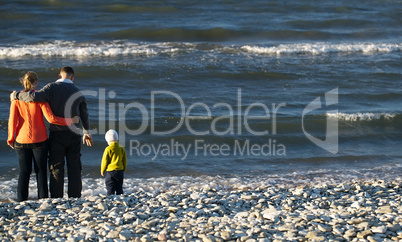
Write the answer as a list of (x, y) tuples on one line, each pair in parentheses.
[(105, 160), (124, 159)]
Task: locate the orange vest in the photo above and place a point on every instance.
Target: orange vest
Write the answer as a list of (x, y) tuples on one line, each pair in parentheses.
[(26, 125)]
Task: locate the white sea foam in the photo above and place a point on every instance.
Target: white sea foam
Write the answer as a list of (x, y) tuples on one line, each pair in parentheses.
[(118, 48), (71, 48), (96, 186), (323, 47), (361, 116)]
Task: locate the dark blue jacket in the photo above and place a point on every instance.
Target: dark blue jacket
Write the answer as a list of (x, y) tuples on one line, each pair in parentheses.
[(65, 100)]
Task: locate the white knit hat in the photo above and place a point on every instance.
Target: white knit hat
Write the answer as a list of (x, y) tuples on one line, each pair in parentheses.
[(111, 135)]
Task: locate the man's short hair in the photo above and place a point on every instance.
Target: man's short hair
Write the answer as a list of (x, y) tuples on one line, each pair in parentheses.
[(68, 70)]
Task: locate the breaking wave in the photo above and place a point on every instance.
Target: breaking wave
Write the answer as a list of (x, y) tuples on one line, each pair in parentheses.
[(362, 116), (121, 48)]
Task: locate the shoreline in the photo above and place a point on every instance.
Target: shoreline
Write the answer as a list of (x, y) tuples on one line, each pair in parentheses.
[(369, 210)]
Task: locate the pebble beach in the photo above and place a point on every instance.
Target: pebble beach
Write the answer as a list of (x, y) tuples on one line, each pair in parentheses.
[(368, 210)]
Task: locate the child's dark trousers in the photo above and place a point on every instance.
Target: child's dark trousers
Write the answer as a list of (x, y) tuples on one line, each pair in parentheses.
[(114, 182)]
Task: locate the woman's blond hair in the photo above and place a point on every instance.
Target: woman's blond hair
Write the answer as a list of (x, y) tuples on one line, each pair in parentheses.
[(28, 80)]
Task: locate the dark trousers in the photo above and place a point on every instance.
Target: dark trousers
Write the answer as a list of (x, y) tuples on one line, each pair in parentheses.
[(65, 146), (26, 153), (114, 182)]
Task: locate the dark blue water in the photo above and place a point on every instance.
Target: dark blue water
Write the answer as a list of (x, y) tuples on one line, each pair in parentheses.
[(221, 87)]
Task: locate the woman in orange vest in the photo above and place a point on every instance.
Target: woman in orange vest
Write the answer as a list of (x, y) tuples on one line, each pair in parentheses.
[(28, 136)]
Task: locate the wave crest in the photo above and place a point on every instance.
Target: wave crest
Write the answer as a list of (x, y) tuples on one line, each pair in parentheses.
[(322, 48), (119, 48), (71, 48), (361, 116)]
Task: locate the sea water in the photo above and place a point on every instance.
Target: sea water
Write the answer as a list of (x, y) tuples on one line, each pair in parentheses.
[(218, 93)]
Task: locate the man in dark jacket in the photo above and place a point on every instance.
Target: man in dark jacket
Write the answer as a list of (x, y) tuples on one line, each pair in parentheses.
[(65, 100)]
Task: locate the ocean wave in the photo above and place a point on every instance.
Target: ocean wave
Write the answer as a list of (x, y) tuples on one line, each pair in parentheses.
[(71, 48), (120, 48), (361, 116), (322, 48)]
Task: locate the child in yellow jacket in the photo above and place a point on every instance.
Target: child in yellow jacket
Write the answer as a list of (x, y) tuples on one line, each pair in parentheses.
[(114, 164)]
